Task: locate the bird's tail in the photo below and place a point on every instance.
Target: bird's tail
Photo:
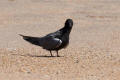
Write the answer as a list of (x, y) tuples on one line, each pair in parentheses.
[(24, 37), (32, 40), (21, 35)]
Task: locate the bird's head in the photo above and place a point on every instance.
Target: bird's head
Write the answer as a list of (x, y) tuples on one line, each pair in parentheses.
[(69, 23)]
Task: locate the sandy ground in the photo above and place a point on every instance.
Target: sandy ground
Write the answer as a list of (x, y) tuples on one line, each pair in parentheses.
[(93, 52)]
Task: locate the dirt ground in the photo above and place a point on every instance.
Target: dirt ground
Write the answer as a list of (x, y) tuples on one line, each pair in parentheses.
[(93, 52)]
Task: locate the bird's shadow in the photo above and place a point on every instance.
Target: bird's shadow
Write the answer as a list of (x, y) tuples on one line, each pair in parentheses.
[(44, 56)]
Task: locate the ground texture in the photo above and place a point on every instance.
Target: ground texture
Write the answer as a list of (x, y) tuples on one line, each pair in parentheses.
[(93, 52)]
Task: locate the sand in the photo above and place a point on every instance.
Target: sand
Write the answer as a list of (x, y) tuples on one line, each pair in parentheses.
[(93, 52)]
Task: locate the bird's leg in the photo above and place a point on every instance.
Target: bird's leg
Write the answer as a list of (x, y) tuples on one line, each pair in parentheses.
[(57, 54), (51, 53)]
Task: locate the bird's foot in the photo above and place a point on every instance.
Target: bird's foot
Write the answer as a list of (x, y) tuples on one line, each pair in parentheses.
[(58, 56), (52, 55)]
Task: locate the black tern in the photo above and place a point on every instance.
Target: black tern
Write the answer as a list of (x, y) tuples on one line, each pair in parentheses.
[(53, 41)]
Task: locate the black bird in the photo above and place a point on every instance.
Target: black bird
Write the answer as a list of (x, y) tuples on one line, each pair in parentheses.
[(53, 41)]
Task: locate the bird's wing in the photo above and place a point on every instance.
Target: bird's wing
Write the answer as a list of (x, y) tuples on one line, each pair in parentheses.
[(47, 42)]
